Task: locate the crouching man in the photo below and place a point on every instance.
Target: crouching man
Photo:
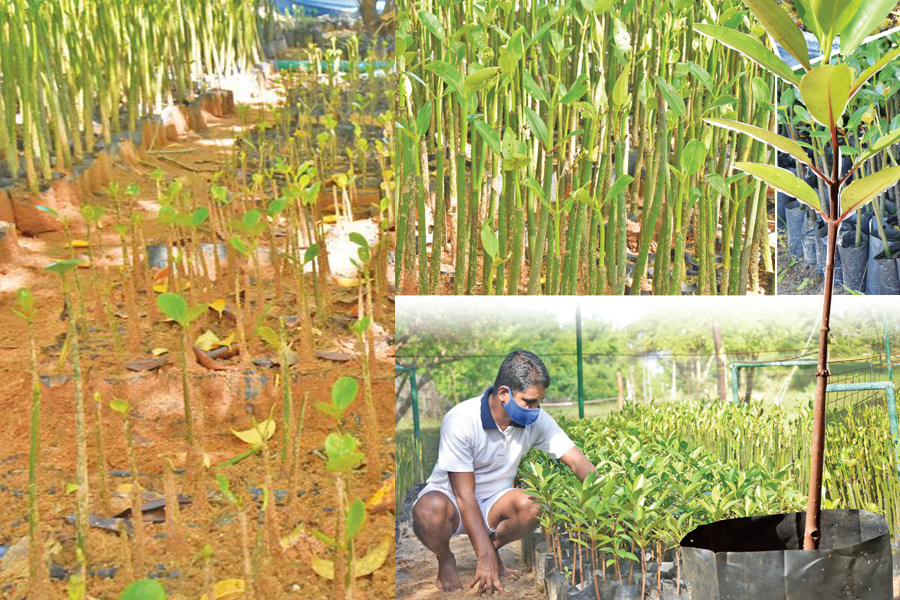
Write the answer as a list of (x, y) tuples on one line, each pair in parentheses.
[(470, 490)]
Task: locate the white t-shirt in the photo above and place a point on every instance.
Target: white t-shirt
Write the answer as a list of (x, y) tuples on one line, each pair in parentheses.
[(471, 442)]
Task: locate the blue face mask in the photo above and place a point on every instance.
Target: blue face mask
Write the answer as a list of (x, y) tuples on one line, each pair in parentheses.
[(521, 416)]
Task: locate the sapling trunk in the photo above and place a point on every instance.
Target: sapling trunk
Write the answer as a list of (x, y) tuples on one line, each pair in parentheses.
[(101, 452)]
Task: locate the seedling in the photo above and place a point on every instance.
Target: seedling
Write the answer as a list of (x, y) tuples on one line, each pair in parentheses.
[(286, 356), (61, 268), (174, 307), (137, 516), (825, 93), (343, 392)]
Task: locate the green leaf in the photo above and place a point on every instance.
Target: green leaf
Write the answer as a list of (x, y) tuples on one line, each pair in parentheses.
[(343, 392), (751, 48), (861, 191), (833, 16), (620, 89), (786, 145), (194, 312), (423, 119), (718, 183), (48, 210), (356, 515), (225, 488), (622, 182), (866, 20), (673, 98), (199, 216), (693, 157), (144, 589), (342, 453), (268, 335), (448, 73), (601, 6), (577, 90), (825, 91), (780, 26), (532, 87), (238, 243), (880, 64), (173, 306), (277, 205), (702, 76), (537, 125), (784, 180), (61, 266), (119, 405), (310, 253), (25, 302), (433, 24), (489, 136), (489, 240), (532, 184), (883, 142), (480, 80)]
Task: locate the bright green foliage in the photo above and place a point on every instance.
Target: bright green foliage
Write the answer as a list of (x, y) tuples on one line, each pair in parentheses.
[(144, 589)]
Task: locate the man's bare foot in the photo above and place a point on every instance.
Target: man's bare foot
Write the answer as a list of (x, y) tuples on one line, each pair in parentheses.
[(503, 570), (448, 576)]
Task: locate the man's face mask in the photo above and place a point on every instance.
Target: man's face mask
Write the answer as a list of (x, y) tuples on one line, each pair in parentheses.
[(520, 416)]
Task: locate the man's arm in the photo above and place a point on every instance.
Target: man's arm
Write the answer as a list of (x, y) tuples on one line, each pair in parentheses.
[(487, 573), (578, 462)]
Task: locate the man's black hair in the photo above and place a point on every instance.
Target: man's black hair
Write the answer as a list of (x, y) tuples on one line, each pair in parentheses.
[(521, 370)]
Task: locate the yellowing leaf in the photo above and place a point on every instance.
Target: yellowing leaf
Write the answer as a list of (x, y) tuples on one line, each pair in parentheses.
[(366, 565), (227, 589), (228, 341), (208, 340), (218, 306), (383, 498), (159, 351), (80, 243), (329, 219), (206, 461), (252, 436)]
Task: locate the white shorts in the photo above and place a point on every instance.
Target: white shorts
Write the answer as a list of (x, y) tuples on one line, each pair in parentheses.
[(484, 504)]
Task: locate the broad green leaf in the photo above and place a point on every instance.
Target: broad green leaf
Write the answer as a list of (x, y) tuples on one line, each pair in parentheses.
[(423, 119), (825, 91), (343, 392), (255, 435), (751, 48), (238, 243), (861, 191), (489, 240), (144, 589), (693, 156), (448, 73), (532, 184), (194, 312), (173, 306), (537, 125), (532, 87), (833, 15), (780, 26), (867, 19), (620, 89), (269, 336), (342, 452), (673, 98), (119, 405), (356, 515), (61, 266), (865, 75), (277, 205), (433, 24), (199, 216), (883, 142), (489, 136), (702, 76), (480, 80), (786, 145), (622, 182), (784, 180), (25, 303), (225, 488), (310, 253), (575, 92), (718, 183), (601, 6)]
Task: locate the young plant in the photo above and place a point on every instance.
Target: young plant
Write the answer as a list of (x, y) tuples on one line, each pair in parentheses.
[(25, 310), (286, 357), (175, 308), (62, 268), (825, 92), (137, 496)]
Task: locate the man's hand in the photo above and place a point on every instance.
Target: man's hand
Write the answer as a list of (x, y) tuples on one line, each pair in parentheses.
[(487, 577)]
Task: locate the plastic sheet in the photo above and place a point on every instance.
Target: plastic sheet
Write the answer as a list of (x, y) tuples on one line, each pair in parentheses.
[(761, 558)]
